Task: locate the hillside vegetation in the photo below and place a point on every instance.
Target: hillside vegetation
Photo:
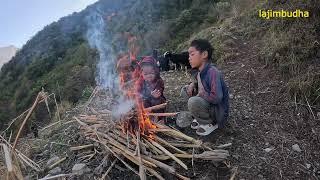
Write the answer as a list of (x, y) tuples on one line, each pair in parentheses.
[(60, 59)]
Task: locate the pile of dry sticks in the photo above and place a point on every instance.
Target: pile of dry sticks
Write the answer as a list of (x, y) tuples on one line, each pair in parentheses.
[(151, 150)]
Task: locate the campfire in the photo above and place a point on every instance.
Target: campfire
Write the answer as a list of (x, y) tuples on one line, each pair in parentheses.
[(146, 144), (133, 137)]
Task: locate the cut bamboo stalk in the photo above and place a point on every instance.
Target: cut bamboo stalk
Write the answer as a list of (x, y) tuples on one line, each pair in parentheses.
[(122, 140), (16, 168), (56, 163), (179, 134), (130, 146), (234, 173), (7, 158), (109, 169), (156, 107), (23, 157), (56, 176), (131, 157), (154, 149), (184, 145), (224, 145), (168, 145), (207, 155), (159, 130), (58, 111), (13, 120), (123, 149), (137, 163), (126, 164), (50, 125), (26, 118), (162, 114), (164, 166), (161, 165), (93, 110), (155, 173), (142, 171), (77, 148), (169, 154)]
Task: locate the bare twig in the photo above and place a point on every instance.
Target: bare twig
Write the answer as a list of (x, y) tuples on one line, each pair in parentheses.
[(7, 158), (77, 148), (169, 154), (142, 172), (56, 176), (109, 169), (163, 114), (235, 171), (311, 111), (156, 107), (56, 163), (26, 118)]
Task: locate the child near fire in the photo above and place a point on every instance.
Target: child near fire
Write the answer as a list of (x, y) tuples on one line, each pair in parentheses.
[(150, 85), (208, 94)]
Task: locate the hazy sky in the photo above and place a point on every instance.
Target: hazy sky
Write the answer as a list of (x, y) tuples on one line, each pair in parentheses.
[(22, 19)]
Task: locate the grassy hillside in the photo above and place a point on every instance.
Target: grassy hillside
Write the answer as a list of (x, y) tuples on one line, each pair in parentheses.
[(289, 45), (59, 58)]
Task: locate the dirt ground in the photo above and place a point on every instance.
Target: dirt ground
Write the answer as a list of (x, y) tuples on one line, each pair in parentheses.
[(263, 126)]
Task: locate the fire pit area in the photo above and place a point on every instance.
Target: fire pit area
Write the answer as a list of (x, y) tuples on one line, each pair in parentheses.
[(145, 147)]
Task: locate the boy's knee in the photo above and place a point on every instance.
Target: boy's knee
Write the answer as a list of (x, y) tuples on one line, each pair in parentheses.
[(183, 92), (196, 104)]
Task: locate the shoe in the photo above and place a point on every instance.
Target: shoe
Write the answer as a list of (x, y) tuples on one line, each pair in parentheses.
[(205, 130), (194, 124)]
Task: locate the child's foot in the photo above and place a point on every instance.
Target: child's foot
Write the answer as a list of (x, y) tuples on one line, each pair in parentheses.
[(205, 130), (194, 124)]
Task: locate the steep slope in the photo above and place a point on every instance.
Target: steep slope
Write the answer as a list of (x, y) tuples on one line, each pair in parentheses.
[(271, 67), (60, 59), (6, 53)]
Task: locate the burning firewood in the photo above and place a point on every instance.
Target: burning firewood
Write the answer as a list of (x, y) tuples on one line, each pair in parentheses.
[(134, 137), (156, 107), (150, 149)]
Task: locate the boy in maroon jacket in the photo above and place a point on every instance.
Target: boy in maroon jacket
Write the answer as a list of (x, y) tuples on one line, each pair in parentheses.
[(208, 94)]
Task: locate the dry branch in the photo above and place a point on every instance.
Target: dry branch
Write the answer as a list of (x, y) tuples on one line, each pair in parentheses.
[(77, 148), (169, 154), (26, 118), (162, 114), (146, 148), (156, 107)]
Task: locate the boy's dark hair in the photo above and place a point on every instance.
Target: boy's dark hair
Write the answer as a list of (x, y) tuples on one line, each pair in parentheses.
[(203, 45)]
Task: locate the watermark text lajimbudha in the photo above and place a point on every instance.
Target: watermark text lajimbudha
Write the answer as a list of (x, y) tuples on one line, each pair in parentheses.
[(269, 14)]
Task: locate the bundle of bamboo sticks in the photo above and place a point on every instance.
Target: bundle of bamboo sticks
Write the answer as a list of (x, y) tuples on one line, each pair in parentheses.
[(149, 151)]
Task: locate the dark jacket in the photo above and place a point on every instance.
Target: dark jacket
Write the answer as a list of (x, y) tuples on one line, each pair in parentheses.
[(145, 88), (216, 92)]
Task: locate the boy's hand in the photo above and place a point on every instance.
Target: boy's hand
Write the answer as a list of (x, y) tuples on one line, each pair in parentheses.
[(190, 89), (156, 93)]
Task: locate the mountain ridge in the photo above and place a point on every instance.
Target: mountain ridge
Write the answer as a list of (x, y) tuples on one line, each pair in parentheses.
[(6, 53)]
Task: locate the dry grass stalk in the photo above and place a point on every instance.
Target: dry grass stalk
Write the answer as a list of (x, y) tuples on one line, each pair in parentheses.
[(156, 107), (163, 114), (145, 150), (39, 96)]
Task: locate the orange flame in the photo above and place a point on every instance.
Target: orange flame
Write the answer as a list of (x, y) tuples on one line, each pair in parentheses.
[(128, 78)]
